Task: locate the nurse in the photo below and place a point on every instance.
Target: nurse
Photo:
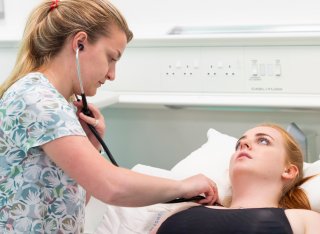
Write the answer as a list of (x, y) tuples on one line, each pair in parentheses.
[(49, 160)]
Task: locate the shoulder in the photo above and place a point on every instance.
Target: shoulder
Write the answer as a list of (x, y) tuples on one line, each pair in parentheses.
[(307, 221), (35, 95), (31, 89)]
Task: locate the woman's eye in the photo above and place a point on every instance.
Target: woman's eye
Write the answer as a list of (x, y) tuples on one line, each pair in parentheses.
[(264, 141), (112, 59)]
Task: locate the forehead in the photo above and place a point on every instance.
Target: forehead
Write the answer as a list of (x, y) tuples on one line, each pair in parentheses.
[(116, 39), (272, 132)]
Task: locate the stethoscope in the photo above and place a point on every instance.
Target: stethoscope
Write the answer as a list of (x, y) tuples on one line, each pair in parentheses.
[(87, 112)]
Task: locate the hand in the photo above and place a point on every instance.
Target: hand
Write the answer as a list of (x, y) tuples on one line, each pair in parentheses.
[(199, 184), (97, 122)]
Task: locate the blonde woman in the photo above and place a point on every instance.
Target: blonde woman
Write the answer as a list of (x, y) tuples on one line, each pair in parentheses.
[(49, 163)]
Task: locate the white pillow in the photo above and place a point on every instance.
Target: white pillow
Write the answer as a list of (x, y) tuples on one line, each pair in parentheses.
[(212, 159), (312, 186)]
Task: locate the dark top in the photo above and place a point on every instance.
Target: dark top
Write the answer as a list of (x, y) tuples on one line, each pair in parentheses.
[(204, 220)]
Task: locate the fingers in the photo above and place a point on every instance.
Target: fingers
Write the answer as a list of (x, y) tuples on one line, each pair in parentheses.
[(95, 111), (97, 121), (200, 184), (211, 196)]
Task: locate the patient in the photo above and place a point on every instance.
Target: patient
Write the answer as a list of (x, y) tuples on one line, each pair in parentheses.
[(265, 174)]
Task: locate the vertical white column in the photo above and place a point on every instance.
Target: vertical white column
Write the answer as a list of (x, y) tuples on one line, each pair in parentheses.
[(1, 9)]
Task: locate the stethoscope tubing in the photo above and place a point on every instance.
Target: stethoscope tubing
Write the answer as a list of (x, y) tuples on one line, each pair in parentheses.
[(87, 112)]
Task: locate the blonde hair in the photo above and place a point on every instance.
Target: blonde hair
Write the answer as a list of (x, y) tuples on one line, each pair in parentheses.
[(293, 195), (47, 30)]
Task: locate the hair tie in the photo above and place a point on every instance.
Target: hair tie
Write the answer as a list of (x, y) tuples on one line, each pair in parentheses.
[(54, 4)]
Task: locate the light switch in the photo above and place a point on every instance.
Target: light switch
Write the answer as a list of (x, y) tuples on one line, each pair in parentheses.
[(254, 68), (277, 68)]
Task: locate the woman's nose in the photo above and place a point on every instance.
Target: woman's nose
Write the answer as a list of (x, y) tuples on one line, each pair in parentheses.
[(245, 145), (111, 74)]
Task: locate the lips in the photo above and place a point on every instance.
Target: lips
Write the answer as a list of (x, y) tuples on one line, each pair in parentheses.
[(244, 154)]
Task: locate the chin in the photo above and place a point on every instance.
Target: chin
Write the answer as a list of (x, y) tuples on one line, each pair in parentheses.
[(91, 93)]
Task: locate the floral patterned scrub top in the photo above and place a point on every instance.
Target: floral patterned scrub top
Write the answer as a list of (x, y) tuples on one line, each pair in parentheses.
[(36, 196)]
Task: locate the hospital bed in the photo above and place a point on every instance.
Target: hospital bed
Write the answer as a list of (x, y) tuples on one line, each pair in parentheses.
[(180, 101)]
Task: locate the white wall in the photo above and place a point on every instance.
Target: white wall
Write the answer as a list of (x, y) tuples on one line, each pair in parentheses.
[(152, 17), (157, 17), (172, 134), (16, 12)]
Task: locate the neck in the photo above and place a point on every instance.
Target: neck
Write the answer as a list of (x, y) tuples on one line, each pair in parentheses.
[(249, 194), (64, 88), (60, 72)]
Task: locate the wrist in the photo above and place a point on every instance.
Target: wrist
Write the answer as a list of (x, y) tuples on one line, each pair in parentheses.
[(181, 189)]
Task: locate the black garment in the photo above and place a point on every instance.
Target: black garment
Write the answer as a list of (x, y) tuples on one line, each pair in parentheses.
[(203, 220)]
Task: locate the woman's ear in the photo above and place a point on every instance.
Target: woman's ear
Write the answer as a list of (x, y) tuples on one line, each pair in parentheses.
[(79, 38), (290, 172)]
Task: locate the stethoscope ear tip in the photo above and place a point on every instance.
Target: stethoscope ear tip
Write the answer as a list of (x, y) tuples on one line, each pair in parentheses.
[(81, 47)]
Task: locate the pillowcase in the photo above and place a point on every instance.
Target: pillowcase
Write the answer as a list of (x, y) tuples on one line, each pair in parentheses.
[(212, 159)]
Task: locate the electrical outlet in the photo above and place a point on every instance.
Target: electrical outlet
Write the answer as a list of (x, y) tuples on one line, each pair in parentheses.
[(229, 70), (190, 69), (212, 72), (187, 71), (216, 70), (181, 69), (222, 70), (170, 71)]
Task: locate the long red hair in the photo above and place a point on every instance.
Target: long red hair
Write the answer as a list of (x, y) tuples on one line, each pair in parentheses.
[(293, 196)]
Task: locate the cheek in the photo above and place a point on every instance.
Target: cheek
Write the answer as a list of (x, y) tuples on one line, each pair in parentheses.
[(275, 161), (231, 162)]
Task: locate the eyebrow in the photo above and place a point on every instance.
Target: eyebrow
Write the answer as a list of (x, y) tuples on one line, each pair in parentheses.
[(256, 135)]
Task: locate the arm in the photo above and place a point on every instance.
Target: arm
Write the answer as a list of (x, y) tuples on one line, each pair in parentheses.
[(84, 121), (119, 186)]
